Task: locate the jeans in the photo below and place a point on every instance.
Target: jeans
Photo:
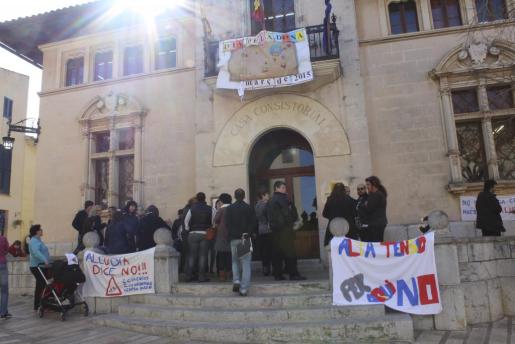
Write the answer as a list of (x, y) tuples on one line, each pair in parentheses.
[(240, 267), (80, 244), (197, 255), (4, 288)]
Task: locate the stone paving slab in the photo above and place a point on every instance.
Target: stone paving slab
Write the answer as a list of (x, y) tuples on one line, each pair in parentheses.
[(25, 327)]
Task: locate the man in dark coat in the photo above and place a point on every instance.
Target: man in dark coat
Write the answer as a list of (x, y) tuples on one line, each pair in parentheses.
[(240, 221), (282, 215), (198, 219), (117, 239), (147, 226), (489, 211), (130, 223), (78, 224)]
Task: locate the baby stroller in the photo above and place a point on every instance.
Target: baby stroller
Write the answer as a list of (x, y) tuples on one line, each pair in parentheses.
[(61, 292)]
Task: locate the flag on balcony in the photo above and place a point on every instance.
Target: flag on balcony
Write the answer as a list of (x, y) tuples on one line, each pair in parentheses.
[(258, 14)]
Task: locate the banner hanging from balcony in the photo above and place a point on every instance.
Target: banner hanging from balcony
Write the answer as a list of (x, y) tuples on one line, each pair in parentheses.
[(400, 275), (267, 60), (119, 275)]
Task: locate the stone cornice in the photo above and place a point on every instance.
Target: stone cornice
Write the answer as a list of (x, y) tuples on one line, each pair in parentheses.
[(89, 85), (434, 32)]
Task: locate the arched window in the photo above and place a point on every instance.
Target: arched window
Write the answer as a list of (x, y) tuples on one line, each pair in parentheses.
[(403, 17), (446, 13)]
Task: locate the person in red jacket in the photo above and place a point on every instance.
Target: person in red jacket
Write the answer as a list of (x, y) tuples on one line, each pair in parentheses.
[(15, 249)]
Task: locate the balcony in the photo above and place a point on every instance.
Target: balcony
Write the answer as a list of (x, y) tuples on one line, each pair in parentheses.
[(318, 50)]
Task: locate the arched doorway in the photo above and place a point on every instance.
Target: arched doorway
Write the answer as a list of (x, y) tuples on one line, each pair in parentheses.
[(283, 154)]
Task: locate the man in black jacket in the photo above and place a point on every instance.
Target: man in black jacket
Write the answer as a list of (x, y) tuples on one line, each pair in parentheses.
[(148, 224), (78, 224), (489, 211), (241, 223), (282, 215), (198, 219)]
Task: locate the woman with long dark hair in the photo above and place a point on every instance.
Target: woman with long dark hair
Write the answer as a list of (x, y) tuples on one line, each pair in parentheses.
[(39, 256), (375, 211), (340, 204)]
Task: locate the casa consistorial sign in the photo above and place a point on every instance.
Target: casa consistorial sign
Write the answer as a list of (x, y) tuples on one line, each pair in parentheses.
[(267, 60)]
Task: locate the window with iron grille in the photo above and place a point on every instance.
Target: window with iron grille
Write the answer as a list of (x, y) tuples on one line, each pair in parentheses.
[(504, 138), (103, 66), (446, 13), (166, 53), (125, 179), (464, 101), (5, 170), (75, 71), (472, 151), (500, 97), (491, 10), (102, 141), (403, 17), (133, 60), (8, 108)]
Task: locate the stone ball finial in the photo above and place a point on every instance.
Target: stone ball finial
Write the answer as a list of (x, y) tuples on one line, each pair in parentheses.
[(339, 227), (91, 239), (163, 236), (438, 219)]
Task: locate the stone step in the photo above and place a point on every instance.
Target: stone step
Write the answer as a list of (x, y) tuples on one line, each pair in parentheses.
[(236, 302), (386, 328), (280, 287), (250, 315), (302, 265)]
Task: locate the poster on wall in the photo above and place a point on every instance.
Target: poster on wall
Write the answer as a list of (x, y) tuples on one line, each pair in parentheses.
[(468, 207), (267, 60), (119, 275), (400, 275)]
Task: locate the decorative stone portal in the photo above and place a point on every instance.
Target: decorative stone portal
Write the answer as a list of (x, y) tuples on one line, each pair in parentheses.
[(303, 115)]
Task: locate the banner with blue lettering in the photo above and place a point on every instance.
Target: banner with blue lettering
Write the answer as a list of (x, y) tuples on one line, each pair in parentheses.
[(119, 275), (400, 275)]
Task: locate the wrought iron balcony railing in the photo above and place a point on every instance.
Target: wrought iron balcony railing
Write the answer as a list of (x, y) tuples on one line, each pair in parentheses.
[(319, 47)]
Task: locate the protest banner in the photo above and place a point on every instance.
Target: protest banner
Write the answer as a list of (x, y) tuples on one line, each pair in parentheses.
[(400, 275), (119, 275), (468, 207), (267, 60)]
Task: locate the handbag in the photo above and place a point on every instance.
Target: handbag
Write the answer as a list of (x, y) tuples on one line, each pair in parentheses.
[(245, 246), (210, 234)]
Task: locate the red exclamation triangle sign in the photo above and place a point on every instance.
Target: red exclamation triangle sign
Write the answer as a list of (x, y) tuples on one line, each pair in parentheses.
[(112, 288)]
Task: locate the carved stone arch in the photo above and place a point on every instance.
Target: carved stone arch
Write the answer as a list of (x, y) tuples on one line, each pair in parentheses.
[(112, 104), (476, 56), (305, 115)]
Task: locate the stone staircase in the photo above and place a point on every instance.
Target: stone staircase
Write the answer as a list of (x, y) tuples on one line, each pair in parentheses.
[(274, 312)]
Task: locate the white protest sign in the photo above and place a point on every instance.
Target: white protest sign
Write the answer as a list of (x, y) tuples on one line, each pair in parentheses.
[(401, 275), (119, 275), (468, 207), (267, 60)]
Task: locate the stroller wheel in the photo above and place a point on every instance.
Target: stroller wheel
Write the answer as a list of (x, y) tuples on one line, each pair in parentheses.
[(41, 312), (62, 317), (86, 310)]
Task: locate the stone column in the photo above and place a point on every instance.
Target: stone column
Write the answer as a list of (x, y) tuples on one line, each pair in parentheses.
[(166, 262), (450, 133), (87, 183), (452, 298), (425, 16), (486, 127), (112, 192), (137, 190), (339, 227)]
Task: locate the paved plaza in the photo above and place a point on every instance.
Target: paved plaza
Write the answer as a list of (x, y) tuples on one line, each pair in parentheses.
[(26, 327)]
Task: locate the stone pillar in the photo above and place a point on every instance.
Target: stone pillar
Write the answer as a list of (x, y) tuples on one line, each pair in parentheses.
[(452, 298), (112, 192), (450, 133), (166, 262), (137, 190), (87, 190), (339, 227), (486, 127)]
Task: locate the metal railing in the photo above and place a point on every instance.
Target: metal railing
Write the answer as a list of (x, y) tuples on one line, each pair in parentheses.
[(322, 46)]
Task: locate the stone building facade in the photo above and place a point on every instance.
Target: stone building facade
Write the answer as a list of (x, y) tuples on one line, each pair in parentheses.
[(135, 113)]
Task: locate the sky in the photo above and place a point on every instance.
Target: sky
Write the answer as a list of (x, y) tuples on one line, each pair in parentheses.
[(22, 8)]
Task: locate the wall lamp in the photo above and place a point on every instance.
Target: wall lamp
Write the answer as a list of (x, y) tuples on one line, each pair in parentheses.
[(8, 141)]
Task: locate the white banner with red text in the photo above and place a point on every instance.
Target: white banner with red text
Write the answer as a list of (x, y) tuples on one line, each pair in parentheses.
[(400, 275), (119, 275)]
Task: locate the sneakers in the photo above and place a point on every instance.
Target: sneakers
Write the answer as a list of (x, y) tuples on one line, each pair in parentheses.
[(236, 288)]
